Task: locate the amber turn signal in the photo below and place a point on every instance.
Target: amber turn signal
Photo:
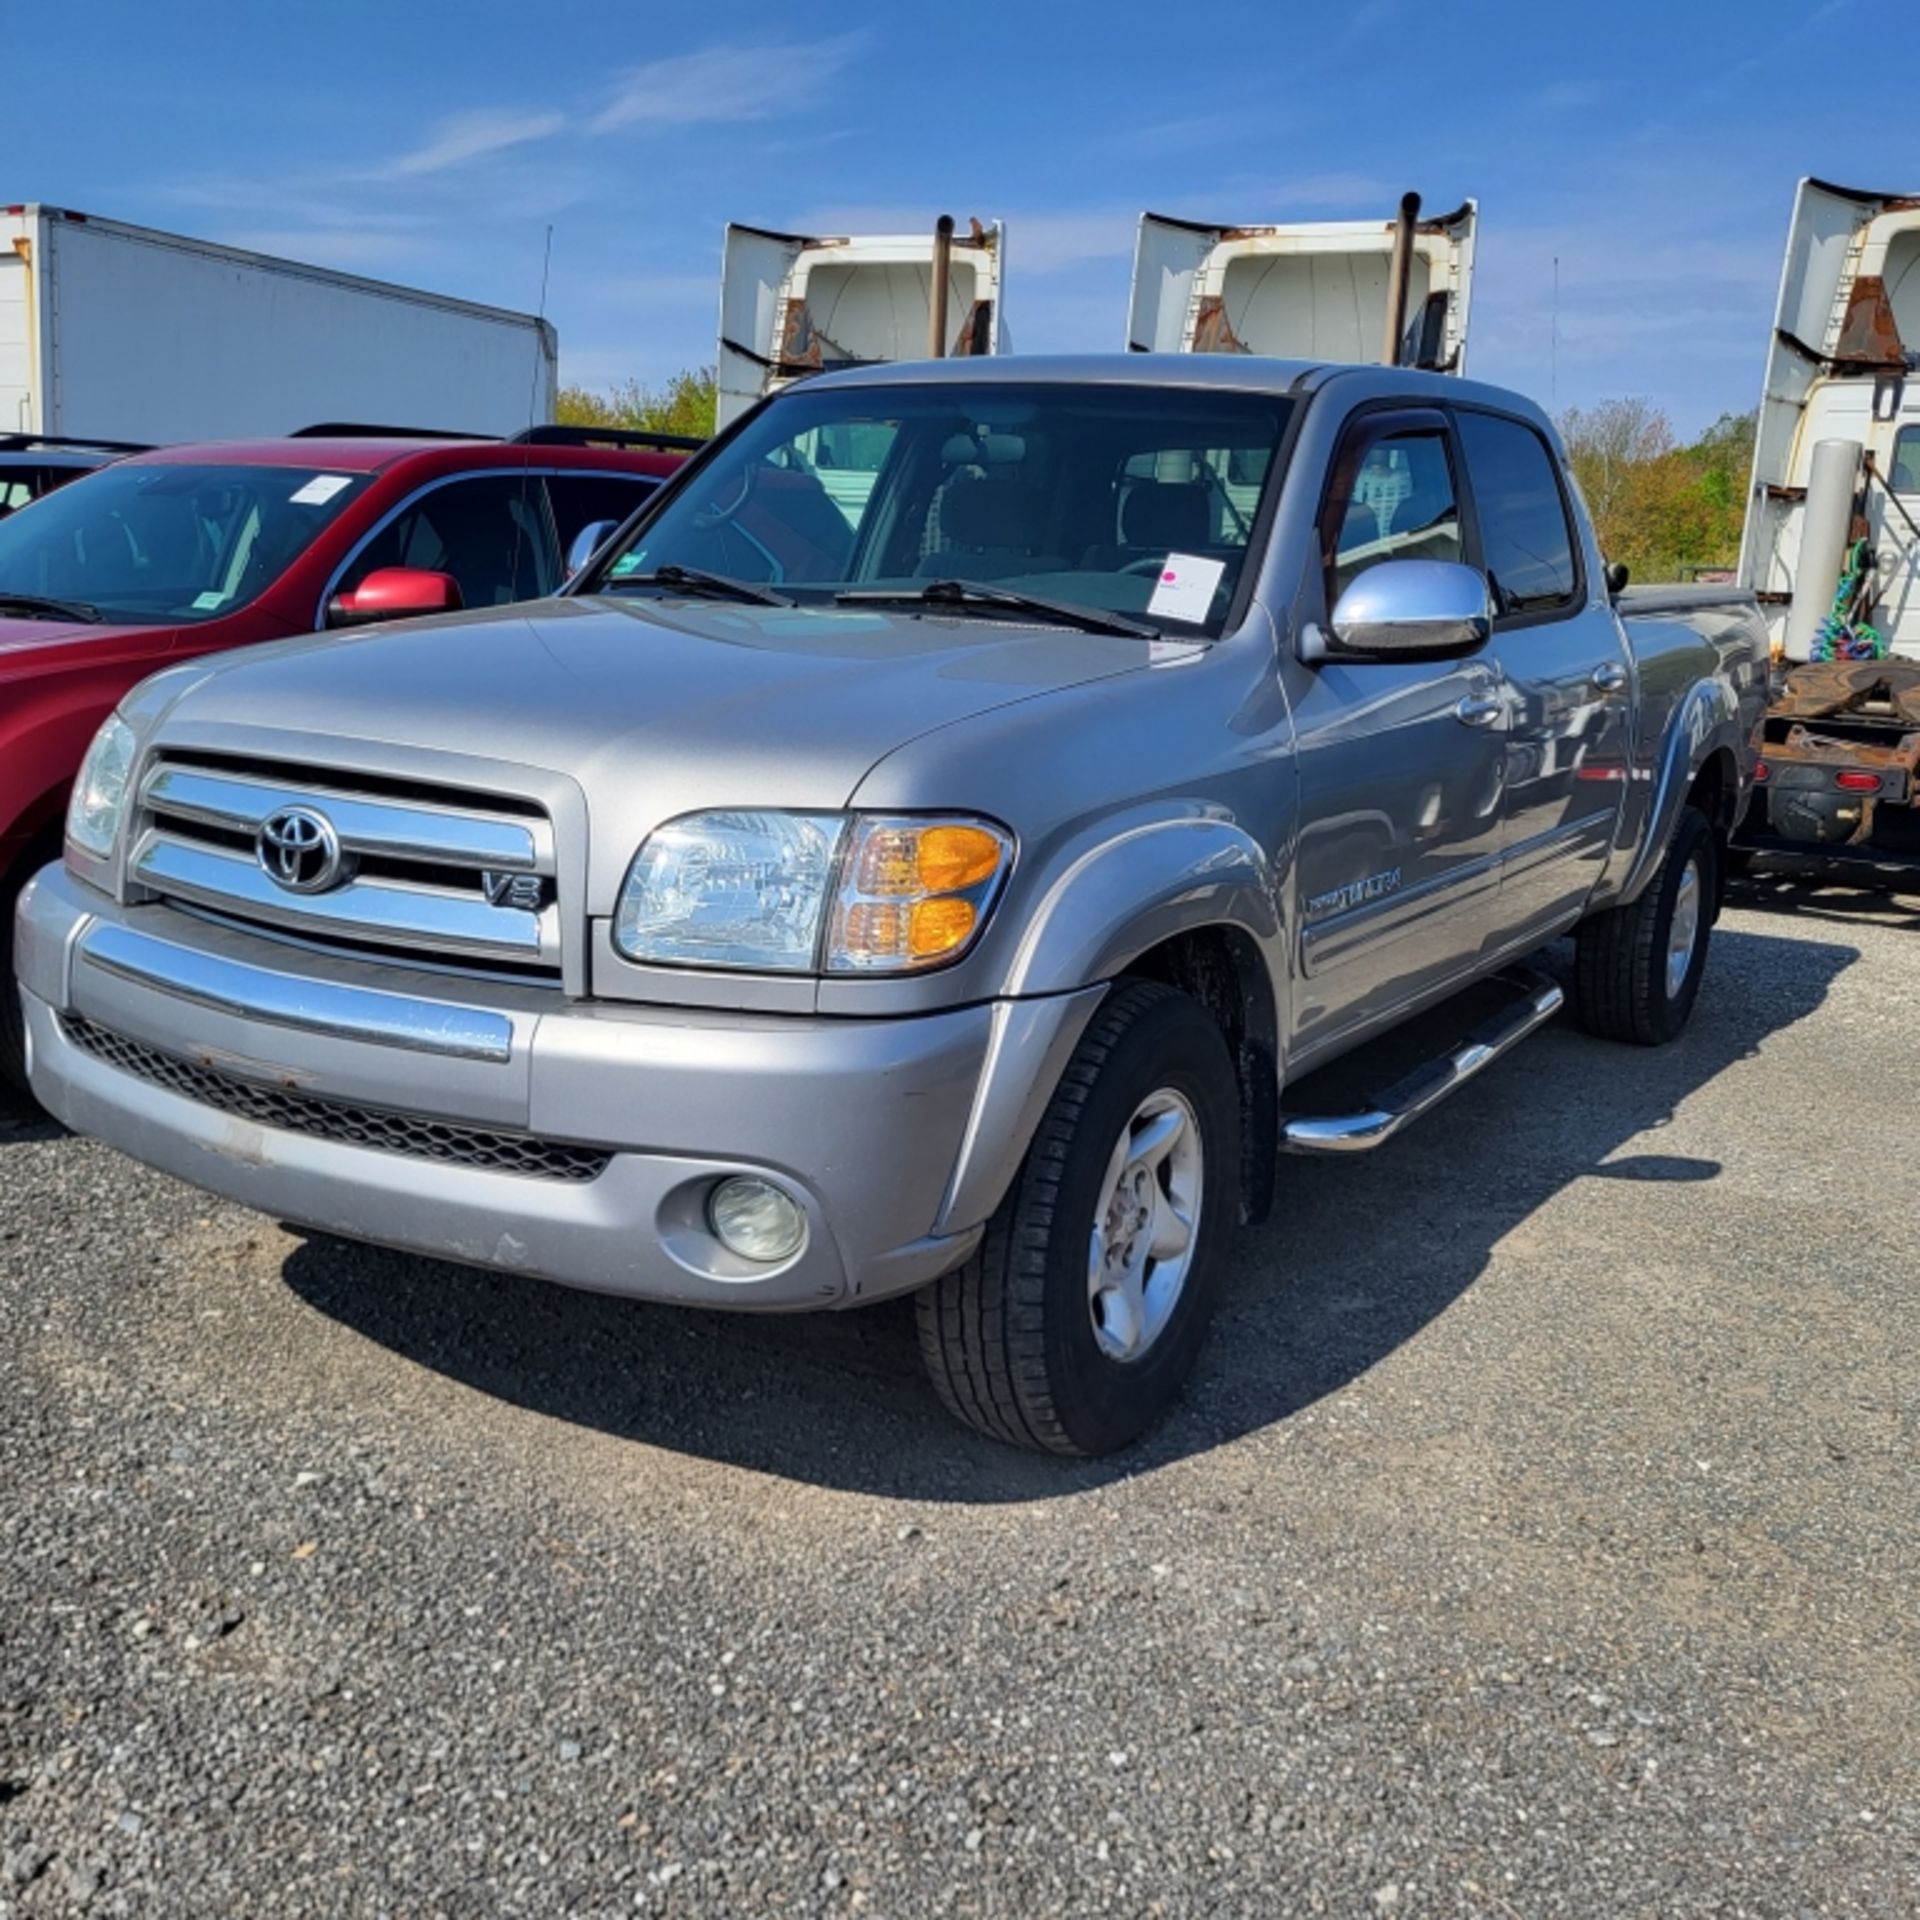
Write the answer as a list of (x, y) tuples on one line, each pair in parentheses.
[(915, 893)]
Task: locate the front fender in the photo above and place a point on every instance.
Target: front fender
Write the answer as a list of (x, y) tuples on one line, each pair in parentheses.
[(1144, 880), (1706, 722)]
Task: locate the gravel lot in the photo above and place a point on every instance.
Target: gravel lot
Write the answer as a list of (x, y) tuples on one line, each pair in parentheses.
[(1540, 1539)]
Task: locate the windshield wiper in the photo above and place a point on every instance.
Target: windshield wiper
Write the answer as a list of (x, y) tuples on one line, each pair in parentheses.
[(696, 580), (962, 596), (37, 606)]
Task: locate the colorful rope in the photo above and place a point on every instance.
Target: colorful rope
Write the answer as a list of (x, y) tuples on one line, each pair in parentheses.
[(1838, 637)]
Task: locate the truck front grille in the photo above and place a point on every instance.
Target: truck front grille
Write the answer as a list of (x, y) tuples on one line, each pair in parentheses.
[(381, 870), (342, 1121)]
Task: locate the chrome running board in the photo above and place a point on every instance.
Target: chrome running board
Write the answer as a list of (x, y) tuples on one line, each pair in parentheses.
[(1424, 1088)]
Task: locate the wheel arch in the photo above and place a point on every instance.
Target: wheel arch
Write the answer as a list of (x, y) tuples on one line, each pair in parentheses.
[(1222, 967), (1698, 759)]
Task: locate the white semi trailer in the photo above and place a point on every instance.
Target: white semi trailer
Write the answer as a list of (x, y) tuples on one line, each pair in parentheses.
[(124, 332)]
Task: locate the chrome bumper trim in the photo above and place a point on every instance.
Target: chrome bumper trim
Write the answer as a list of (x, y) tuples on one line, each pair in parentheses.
[(286, 1000)]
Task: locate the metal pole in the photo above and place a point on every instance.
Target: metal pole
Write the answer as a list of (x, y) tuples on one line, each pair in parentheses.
[(942, 259), (1398, 275)]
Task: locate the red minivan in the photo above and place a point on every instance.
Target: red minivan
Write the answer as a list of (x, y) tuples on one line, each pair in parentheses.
[(191, 549)]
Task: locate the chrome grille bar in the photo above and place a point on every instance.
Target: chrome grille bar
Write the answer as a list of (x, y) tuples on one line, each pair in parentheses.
[(420, 878), (399, 830), (390, 912)]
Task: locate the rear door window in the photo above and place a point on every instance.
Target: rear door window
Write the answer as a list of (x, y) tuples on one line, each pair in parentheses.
[(1525, 534), (490, 532)]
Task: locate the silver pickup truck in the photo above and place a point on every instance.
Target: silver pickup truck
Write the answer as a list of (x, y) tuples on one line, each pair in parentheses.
[(921, 851)]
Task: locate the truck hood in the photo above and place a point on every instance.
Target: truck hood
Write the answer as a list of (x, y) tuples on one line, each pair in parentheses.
[(652, 708)]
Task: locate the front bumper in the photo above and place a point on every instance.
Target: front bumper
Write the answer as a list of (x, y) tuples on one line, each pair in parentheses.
[(248, 1069)]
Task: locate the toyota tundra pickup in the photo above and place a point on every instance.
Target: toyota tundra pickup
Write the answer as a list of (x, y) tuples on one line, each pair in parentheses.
[(935, 885)]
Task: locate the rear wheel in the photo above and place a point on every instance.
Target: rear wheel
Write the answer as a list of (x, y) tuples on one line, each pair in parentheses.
[(1637, 968), (1077, 1320)]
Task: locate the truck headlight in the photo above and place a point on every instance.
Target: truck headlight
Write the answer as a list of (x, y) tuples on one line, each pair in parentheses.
[(741, 889), (100, 791), (779, 892)]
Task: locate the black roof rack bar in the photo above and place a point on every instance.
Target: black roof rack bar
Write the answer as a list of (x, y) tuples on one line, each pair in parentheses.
[(363, 430), (606, 437), (20, 442)]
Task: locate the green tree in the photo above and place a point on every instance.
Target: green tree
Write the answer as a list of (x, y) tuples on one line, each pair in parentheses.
[(1662, 508), (684, 404)]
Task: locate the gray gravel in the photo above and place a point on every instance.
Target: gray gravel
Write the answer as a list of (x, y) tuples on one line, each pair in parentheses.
[(1539, 1540)]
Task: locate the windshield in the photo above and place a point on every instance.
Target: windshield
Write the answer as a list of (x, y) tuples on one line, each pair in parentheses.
[(160, 544), (1120, 498)]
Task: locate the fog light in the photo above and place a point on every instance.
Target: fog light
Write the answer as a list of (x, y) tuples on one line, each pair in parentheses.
[(753, 1218)]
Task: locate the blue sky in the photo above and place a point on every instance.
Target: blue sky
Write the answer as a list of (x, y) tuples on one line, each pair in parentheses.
[(1653, 149)]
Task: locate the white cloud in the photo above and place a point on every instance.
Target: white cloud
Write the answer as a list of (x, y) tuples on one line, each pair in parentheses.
[(473, 136), (750, 81)]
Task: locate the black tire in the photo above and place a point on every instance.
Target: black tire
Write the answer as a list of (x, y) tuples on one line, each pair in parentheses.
[(1009, 1338), (13, 1036), (1620, 983)]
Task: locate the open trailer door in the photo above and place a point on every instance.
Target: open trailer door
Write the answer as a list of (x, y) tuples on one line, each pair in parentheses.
[(754, 268), (791, 305), (1315, 290)]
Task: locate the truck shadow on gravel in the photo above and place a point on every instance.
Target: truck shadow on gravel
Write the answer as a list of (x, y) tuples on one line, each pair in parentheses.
[(22, 1121), (1358, 1258), (1811, 895)]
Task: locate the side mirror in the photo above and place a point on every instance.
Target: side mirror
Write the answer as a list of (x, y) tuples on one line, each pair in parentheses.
[(1410, 610), (395, 593), (588, 541)]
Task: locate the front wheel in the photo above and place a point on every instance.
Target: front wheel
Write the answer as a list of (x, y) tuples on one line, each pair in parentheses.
[(13, 1037), (1637, 968), (1076, 1321)]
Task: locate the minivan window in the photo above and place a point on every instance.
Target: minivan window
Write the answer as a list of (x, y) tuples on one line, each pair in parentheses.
[(1524, 531), (490, 532), (580, 499), (1080, 493), (155, 544)]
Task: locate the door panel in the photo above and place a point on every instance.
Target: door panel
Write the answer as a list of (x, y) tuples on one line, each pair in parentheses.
[(1565, 664), (1398, 861)]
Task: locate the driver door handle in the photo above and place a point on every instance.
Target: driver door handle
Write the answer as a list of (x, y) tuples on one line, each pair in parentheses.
[(1609, 677), (1479, 709)]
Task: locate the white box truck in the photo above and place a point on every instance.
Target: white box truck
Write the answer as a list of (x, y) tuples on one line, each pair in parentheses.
[(791, 304), (116, 330), (1313, 290)]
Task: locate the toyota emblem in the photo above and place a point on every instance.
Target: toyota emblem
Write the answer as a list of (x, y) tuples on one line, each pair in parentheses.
[(300, 850)]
